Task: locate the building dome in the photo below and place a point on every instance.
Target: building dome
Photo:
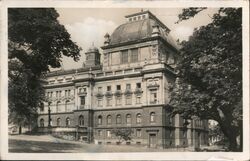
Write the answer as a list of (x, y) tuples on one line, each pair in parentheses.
[(137, 30), (92, 49)]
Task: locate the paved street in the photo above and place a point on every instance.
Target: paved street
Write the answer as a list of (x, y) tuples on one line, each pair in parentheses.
[(49, 144)]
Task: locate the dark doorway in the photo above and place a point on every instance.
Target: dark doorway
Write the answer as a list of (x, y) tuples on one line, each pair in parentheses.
[(152, 140)]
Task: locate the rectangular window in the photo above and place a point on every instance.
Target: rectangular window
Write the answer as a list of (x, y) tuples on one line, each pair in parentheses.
[(153, 96), (118, 100), (109, 101), (99, 132), (128, 100), (59, 80), (128, 86), (66, 93), (184, 134), (82, 100), (99, 102), (170, 134), (124, 56), (108, 88), (138, 99), (118, 87), (99, 89), (138, 85), (108, 133), (134, 56), (56, 94), (138, 132)]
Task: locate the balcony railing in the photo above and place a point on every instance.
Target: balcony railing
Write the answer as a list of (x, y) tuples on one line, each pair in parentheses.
[(99, 94), (128, 92), (138, 91), (118, 93), (108, 93)]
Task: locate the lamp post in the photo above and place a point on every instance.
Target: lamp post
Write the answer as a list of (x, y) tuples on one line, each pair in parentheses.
[(49, 115)]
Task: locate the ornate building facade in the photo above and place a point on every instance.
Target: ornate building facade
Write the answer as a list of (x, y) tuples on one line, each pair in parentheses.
[(128, 90)]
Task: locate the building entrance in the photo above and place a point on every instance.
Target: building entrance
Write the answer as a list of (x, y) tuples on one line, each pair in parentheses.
[(152, 140)]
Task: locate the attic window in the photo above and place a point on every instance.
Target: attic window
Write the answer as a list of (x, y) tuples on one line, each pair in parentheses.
[(52, 82), (68, 79), (134, 18), (130, 19), (143, 16), (139, 17)]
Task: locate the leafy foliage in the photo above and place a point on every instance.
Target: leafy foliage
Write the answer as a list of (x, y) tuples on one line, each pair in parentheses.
[(189, 13), (25, 94), (210, 73), (37, 39), (123, 134), (36, 42)]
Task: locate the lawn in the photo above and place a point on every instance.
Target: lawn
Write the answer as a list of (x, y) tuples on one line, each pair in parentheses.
[(50, 144)]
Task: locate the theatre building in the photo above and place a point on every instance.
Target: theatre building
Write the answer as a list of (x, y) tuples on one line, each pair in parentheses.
[(128, 90)]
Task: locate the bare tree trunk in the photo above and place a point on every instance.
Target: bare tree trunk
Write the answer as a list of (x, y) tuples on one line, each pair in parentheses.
[(20, 129), (231, 132), (233, 143)]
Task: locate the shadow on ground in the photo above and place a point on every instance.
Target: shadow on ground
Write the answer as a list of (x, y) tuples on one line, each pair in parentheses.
[(23, 146)]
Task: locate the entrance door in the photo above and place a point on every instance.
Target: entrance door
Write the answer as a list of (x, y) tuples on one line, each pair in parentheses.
[(152, 140)]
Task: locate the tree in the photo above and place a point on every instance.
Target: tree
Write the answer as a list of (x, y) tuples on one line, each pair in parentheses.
[(123, 134), (209, 83), (37, 42), (25, 95)]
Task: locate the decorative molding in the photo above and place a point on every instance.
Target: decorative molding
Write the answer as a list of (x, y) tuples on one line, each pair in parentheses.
[(82, 93), (153, 86)]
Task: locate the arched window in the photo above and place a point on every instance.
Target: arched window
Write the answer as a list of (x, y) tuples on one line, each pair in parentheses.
[(81, 120), (109, 121), (67, 121), (99, 120), (152, 117), (118, 119), (57, 106), (58, 122), (138, 118), (41, 122), (67, 105), (128, 119)]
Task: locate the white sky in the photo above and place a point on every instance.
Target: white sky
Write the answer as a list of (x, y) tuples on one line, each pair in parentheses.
[(87, 26)]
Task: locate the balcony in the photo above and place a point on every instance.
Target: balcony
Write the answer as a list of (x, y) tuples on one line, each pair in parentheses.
[(109, 93), (99, 94), (154, 102), (118, 93), (138, 91), (128, 92)]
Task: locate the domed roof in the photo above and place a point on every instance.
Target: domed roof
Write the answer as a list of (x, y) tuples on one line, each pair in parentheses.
[(92, 49), (137, 30)]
